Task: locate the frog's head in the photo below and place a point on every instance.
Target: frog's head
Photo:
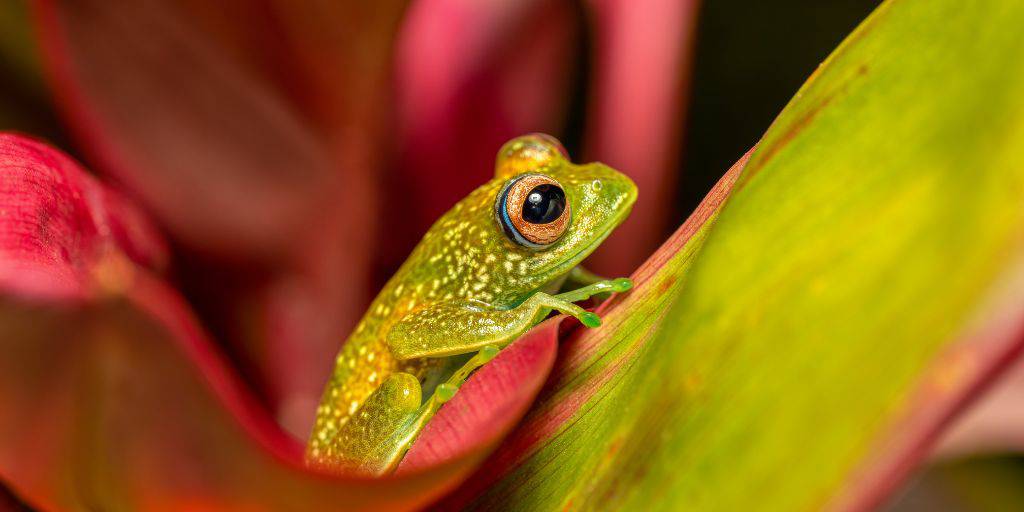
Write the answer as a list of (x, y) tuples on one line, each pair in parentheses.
[(553, 213)]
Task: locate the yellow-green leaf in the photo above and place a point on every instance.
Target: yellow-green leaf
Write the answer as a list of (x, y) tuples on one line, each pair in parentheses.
[(760, 367)]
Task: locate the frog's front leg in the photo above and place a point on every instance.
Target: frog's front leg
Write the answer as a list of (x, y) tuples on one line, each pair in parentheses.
[(461, 326)]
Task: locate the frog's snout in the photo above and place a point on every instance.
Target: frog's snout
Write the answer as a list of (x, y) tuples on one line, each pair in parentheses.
[(617, 189)]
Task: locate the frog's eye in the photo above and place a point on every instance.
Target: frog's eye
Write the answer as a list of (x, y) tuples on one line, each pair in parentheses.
[(533, 210)]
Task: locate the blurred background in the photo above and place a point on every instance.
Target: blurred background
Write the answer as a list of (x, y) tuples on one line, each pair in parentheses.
[(750, 58)]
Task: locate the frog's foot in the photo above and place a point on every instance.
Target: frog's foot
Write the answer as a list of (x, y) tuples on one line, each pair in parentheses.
[(446, 390), (564, 302)]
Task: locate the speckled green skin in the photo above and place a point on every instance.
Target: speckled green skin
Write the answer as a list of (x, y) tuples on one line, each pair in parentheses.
[(465, 286)]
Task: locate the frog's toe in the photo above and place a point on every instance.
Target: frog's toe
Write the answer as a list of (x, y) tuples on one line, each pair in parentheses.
[(590, 319), (622, 284)]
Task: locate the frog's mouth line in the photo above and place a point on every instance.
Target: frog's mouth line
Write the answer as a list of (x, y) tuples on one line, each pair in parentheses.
[(582, 254)]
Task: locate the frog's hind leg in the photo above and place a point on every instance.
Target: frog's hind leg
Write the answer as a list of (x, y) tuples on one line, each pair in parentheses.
[(446, 390), (375, 438)]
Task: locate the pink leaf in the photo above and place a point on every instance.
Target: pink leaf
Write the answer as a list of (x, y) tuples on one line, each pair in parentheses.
[(641, 85), (254, 135)]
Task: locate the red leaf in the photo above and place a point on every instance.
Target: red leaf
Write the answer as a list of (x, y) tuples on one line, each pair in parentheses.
[(58, 226), (113, 396), (253, 133)]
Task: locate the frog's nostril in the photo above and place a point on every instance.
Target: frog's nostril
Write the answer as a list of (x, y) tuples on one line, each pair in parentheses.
[(596, 185)]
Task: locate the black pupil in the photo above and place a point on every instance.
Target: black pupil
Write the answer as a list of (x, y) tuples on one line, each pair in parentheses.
[(544, 204)]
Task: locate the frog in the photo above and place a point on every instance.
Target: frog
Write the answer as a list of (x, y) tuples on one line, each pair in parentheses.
[(499, 262)]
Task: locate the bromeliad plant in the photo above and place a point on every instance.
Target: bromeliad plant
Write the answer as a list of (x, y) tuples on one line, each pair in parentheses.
[(799, 342)]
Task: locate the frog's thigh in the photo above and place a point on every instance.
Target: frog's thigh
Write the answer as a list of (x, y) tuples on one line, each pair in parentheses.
[(373, 440), (457, 327)]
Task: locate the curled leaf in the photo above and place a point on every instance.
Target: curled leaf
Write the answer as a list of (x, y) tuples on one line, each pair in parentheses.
[(767, 357)]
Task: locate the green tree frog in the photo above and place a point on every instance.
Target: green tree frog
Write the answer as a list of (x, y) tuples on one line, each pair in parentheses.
[(487, 271)]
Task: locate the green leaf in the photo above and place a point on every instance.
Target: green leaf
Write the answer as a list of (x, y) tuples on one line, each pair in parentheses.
[(878, 222)]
